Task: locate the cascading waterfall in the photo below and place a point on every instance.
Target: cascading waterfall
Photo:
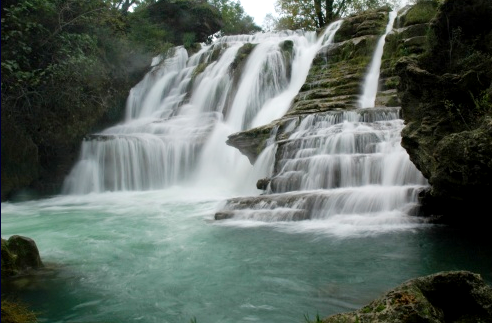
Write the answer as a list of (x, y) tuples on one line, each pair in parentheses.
[(346, 169), (338, 164), (371, 81), (179, 116)]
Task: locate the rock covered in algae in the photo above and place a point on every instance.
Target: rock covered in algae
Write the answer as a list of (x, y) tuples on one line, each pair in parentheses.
[(19, 254), (453, 296)]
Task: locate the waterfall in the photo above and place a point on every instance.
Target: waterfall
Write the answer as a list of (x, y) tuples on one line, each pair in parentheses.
[(179, 116), (343, 167), (345, 171), (371, 82)]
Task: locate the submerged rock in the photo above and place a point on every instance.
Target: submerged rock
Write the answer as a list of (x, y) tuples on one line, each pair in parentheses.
[(454, 296)]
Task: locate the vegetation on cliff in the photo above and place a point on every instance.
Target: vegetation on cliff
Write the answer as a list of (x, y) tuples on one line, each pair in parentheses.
[(67, 67), (446, 96)]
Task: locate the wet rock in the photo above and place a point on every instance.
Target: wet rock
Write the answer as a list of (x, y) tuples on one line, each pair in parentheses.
[(223, 215), (447, 110), (455, 296), (262, 184), (19, 254)]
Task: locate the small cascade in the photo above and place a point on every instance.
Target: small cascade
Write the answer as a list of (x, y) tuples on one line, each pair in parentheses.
[(371, 82), (344, 163), (179, 116)]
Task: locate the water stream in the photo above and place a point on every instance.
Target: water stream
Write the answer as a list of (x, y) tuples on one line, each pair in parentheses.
[(371, 81)]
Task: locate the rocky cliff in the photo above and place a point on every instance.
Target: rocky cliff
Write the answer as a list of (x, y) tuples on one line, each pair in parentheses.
[(447, 105), (436, 66)]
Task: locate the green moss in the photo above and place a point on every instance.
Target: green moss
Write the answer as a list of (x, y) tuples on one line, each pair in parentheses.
[(391, 82), (366, 309), (17, 312), (198, 70), (287, 46), (422, 12), (241, 55)]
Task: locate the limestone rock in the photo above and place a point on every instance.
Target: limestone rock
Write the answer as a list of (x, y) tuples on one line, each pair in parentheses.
[(19, 254), (447, 110), (455, 296)]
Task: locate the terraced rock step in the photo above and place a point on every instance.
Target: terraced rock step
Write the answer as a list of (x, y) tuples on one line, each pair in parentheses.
[(368, 201)]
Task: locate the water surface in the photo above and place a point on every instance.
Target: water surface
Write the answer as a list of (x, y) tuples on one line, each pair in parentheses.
[(158, 256)]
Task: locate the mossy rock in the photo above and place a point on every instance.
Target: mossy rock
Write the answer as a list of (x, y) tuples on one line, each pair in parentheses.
[(421, 12), (17, 312), (19, 254), (457, 296), (241, 55)]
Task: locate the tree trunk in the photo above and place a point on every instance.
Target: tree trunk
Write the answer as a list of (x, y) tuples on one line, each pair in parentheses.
[(329, 10), (319, 13)]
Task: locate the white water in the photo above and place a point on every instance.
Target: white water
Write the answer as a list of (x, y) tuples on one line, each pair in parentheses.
[(371, 82), (178, 117), (344, 171)]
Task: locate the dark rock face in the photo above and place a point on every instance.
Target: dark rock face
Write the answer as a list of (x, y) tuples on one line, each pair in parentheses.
[(18, 255), (447, 108), (456, 296)]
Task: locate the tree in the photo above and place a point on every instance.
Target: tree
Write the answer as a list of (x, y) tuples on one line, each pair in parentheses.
[(125, 5), (235, 20), (313, 14)]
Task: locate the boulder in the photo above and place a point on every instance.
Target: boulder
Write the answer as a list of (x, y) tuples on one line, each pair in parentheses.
[(19, 254), (453, 296)]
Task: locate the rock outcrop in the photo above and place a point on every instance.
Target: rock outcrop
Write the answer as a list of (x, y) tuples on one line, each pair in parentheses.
[(455, 296), (446, 99), (19, 254)]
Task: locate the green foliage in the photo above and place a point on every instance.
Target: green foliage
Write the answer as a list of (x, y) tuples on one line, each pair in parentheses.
[(188, 39), (151, 36), (235, 20), (67, 67), (314, 14)]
